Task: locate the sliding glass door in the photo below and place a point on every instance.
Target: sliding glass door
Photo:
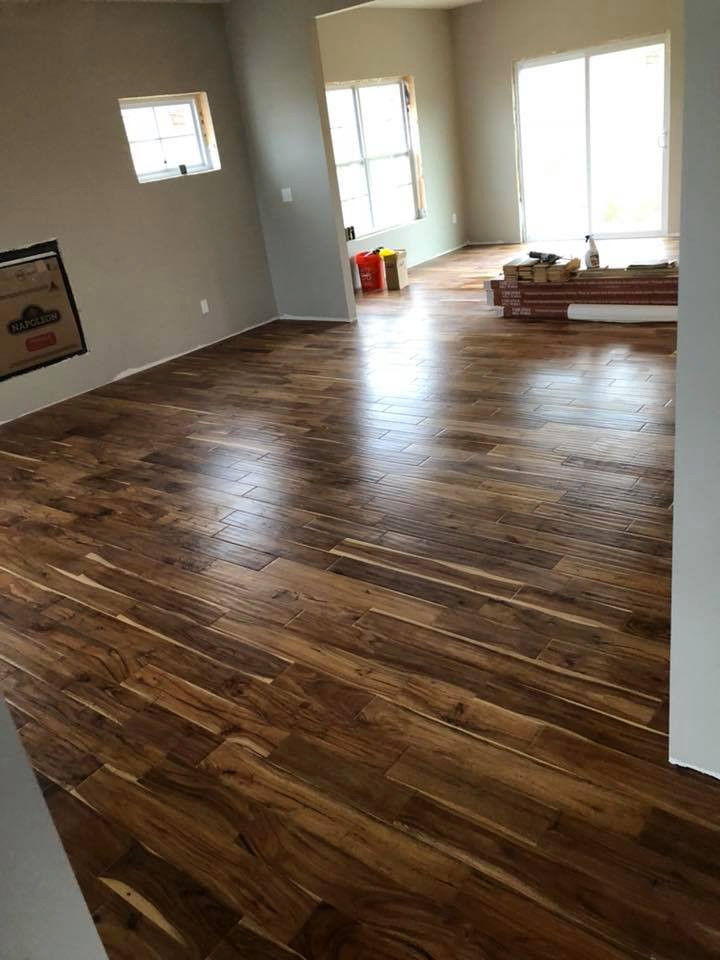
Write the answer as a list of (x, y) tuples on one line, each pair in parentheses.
[(592, 132)]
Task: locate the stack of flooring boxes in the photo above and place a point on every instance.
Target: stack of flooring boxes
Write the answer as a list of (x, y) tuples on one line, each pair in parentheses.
[(551, 300), (539, 271)]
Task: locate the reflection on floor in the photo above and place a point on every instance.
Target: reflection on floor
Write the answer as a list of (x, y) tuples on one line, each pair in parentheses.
[(351, 641)]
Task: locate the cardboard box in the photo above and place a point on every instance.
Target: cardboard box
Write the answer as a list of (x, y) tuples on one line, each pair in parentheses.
[(39, 323), (396, 270)]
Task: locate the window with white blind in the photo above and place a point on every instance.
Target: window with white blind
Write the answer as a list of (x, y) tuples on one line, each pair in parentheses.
[(170, 136), (375, 141)]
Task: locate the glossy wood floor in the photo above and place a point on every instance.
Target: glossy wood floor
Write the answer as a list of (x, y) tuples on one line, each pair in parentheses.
[(350, 642)]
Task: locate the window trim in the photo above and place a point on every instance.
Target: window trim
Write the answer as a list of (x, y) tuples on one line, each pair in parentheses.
[(204, 134), (407, 93)]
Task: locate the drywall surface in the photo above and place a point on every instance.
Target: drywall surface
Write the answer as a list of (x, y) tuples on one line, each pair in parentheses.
[(277, 63), (140, 256), (42, 912), (489, 37), (695, 648), (368, 44)]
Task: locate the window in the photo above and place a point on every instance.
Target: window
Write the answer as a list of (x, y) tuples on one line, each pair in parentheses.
[(375, 141), (600, 164), (170, 136)]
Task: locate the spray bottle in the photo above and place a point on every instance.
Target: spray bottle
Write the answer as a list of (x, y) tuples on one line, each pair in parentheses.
[(592, 254)]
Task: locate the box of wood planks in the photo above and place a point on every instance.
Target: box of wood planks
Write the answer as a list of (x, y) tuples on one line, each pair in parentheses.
[(551, 300), (533, 269)]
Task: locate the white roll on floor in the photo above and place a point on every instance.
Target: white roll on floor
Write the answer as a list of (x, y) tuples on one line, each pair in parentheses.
[(623, 312)]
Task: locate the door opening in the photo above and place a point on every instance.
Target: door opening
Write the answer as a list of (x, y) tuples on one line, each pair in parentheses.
[(593, 142)]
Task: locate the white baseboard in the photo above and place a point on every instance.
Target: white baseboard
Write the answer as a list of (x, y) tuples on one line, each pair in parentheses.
[(183, 353), (293, 316), (133, 371), (526, 243), (437, 256), (46, 406), (493, 243), (689, 766)]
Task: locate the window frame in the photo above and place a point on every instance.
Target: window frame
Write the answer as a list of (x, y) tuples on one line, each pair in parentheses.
[(406, 91), (202, 124)]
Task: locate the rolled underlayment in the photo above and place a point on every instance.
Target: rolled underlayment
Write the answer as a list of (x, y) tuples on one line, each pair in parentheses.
[(623, 312)]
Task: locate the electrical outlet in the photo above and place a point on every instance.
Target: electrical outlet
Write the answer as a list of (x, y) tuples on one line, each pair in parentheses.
[(287, 195), (454, 218), (205, 306)]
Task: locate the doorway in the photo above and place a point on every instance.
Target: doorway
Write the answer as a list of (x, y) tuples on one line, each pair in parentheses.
[(593, 142)]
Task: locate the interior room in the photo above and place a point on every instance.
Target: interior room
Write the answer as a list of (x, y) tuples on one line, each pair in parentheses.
[(358, 539)]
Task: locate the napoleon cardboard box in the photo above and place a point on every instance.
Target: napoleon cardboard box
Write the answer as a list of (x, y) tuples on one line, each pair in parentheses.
[(39, 322)]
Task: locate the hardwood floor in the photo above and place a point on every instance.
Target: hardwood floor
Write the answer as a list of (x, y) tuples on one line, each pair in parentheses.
[(350, 642)]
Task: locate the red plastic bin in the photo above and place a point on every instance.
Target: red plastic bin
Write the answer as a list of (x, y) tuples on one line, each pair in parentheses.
[(372, 271)]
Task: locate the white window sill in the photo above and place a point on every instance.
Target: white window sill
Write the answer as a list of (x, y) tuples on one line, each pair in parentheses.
[(155, 178)]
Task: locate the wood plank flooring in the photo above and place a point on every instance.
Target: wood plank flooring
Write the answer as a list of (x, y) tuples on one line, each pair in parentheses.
[(350, 642)]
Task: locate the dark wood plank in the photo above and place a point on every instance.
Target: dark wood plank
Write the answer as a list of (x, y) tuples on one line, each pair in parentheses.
[(173, 901)]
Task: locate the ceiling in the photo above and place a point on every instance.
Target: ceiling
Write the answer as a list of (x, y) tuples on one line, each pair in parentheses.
[(437, 4)]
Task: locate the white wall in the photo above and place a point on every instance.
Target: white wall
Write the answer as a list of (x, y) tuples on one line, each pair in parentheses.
[(140, 256), (489, 37), (368, 44), (277, 64), (695, 668)]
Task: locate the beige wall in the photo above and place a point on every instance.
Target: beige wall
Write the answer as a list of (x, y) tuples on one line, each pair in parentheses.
[(276, 53), (489, 37), (367, 44), (140, 256), (695, 660)]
